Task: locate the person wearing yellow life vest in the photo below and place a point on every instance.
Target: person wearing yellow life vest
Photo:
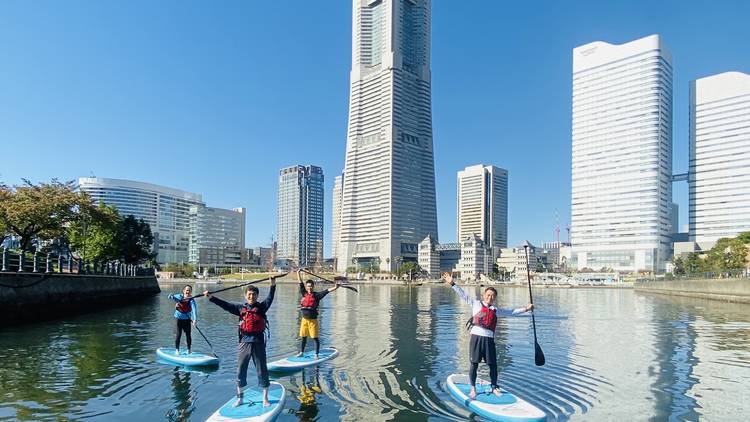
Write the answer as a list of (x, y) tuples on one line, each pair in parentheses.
[(483, 324), (309, 307), (186, 312)]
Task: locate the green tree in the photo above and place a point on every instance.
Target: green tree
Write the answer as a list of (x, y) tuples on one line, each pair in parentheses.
[(694, 264), (409, 267), (728, 254), (93, 235), (134, 241), (679, 266), (4, 195), (40, 211)]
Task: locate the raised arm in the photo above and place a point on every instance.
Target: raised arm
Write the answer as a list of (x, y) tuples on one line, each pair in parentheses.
[(175, 297), (232, 308), (302, 290), (271, 293), (464, 297)]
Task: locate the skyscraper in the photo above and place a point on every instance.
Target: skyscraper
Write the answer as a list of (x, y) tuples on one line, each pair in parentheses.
[(300, 215), (338, 188), (217, 235), (482, 205), (622, 155), (166, 210), (719, 157), (388, 202)]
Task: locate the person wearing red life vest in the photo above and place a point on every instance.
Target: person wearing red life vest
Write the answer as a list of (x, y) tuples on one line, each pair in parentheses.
[(252, 326), (308, 305), (186, 311), (483, 324)]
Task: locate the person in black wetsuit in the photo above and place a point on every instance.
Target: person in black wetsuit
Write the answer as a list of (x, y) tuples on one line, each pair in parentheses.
[(309, 303)]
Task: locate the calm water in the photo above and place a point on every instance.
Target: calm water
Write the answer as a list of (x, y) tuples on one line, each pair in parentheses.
[(611, 355)]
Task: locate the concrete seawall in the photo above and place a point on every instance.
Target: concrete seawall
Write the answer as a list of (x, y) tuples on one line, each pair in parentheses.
[(729, 290), (35, 297)]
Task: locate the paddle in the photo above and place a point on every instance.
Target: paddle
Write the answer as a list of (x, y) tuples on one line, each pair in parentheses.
[(538, 354), (204, 338), (354, 289), (245, 284)]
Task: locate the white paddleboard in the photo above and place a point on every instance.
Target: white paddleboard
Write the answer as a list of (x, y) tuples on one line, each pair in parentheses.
[(506, 407), (251, 409), (294, 363), (183, 358)]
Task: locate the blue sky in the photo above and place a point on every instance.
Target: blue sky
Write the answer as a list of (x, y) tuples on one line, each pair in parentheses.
[(216, 97)]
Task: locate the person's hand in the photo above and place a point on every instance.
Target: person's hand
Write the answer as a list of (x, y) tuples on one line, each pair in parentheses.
[(194, 322), (273, 281), (529, 307), (448, 277), (207, 294), (335, 286), (299, 275)]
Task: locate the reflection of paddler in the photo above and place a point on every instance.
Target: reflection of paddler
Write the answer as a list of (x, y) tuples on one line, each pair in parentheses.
[(307, 394), (308, 409)]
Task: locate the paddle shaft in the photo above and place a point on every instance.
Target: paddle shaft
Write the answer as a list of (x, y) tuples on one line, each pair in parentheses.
[(327, 280), (247, 284), (204, 338), (539, 359)]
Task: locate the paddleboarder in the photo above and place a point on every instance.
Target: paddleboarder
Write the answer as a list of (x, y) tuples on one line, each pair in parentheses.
[(309, 303), (185, 313), (253, 323), (483, 323)]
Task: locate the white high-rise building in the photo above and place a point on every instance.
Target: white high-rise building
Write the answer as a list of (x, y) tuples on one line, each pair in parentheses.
[(217, 235), (388, 203), (482, 204), (622, 155), (338, 189), (166, 210), (299, 224), (719, 157)]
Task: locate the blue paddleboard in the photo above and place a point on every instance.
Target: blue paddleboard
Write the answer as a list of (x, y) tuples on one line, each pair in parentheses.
[(183, 358), (505, 407), (294, 363), (251, 409)]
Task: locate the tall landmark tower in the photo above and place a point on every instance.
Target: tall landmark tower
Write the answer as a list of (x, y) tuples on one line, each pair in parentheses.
[(388, 198)]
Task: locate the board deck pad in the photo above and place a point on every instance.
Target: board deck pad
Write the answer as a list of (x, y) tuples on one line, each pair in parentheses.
[(252, 408), (505, 407), (183, 358), (293, 363)]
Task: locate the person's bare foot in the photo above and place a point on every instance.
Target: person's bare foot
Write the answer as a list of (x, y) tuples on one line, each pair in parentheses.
[(497, 391), (316, 356), (299, 355), (472, 393), (266, 403), (239, 401)]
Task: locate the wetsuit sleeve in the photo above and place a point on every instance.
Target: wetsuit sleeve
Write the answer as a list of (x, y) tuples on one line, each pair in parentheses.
[(269, 299), (462, 294), (322, 294), (232, 308), (176, 297), (194, 310), (509, 312), (302, 290)]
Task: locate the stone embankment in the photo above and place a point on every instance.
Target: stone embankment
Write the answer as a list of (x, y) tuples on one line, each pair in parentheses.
[(27, 297), (729, 290)]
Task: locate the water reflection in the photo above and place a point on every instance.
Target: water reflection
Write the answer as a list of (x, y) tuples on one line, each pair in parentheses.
[(611, 355)]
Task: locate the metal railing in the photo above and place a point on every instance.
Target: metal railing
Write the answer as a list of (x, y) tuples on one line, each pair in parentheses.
[(49, 263)]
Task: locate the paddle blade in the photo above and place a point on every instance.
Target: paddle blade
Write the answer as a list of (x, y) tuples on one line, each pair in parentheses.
[(538, 355)]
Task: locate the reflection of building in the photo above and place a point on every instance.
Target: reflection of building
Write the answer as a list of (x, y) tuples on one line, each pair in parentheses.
[(719, 177), (476, 259), (217, 236), (166, 210), (622, 155), (300, 215), (482, 207), (435, 258), (388, 202)]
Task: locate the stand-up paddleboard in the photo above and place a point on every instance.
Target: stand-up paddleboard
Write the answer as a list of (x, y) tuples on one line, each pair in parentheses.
[(294, 363), (251, 409), (183, 358), (505, 407)]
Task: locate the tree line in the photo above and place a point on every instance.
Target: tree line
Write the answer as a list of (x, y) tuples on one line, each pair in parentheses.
[(729, 254), (56, 217)]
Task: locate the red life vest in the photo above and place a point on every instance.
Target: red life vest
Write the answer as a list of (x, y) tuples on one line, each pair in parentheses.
[(308, 301), (485, 318), (252, 321), (184, 306)]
